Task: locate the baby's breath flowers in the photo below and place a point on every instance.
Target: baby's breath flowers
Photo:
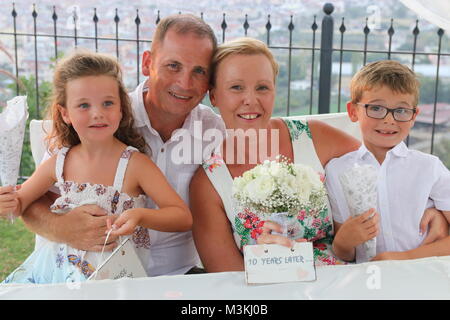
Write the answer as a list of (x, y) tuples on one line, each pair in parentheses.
[(280, 186)]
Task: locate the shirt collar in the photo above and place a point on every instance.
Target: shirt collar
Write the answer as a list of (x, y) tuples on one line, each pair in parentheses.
[(142, 119), (400, 150)]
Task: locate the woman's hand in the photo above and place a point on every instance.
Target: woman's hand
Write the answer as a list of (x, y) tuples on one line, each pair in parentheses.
[(266, 237), (9, 201)]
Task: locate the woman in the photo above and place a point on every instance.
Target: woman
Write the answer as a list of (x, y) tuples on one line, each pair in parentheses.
[(243, 88)]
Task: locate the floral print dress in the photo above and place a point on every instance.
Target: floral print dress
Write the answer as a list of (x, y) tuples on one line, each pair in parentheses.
[(315, 226), (57, 262)]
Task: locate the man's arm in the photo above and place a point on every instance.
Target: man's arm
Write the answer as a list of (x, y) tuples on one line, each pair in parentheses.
[(82, 228)]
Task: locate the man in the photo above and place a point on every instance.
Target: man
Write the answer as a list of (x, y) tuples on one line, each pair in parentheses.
[(178, 69)]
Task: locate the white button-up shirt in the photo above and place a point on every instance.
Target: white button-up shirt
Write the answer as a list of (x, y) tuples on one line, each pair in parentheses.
[(407, 181), (178, 159)]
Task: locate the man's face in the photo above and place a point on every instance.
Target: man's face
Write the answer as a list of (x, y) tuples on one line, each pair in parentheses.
[(178, 70)]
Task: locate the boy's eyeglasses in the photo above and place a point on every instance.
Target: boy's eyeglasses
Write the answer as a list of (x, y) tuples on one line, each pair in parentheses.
[(376, 111)]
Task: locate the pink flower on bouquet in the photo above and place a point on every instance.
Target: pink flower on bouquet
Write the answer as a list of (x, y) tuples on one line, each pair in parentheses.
[(301, 215)]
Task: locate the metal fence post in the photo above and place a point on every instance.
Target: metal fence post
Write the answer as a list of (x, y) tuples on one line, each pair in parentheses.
[(326, 51)]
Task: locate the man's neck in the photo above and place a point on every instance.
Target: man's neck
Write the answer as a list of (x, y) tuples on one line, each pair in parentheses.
[(165, 124)]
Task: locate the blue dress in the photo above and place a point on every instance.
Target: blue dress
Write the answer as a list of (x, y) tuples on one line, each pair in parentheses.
[(56, 262)]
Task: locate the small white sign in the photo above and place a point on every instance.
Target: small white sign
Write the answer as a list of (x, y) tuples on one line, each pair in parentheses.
[(273, 263), (123, 262)]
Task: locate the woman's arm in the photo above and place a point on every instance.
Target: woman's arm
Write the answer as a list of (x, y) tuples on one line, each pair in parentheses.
[(211, 229), (437, 248), (173, 214), (331, 142)]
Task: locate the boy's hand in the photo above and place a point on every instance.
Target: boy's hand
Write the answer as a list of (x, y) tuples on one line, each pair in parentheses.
[(437, 224), (357, 230), (125, 224), (9, 201)]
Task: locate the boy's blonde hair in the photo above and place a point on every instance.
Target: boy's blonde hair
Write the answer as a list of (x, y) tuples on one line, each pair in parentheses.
[(389, 73), (244, 45), (79, 64)]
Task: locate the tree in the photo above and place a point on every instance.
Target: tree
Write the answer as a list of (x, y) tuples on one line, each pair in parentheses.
[(443, 151)]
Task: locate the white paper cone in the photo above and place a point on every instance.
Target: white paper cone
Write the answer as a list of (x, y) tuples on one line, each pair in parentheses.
[(360, 188), (13, 120)]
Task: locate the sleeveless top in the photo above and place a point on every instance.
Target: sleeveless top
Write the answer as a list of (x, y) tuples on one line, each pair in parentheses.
[(246, 225), (56, 262)]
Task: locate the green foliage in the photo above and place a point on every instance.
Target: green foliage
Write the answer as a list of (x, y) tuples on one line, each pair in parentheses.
[(16, 243), (443, 151)]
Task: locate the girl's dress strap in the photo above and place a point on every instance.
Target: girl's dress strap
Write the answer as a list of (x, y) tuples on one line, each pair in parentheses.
[(122, 167), (59, 167)]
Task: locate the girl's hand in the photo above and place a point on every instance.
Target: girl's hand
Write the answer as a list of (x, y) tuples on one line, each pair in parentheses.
[(357, 230), (266, 237), (9, 201), (125, 224)]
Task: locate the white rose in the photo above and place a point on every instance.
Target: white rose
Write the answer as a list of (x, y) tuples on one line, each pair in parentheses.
[(260, 189)]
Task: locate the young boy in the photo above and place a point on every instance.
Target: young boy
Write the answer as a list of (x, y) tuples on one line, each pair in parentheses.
[(384, 101)]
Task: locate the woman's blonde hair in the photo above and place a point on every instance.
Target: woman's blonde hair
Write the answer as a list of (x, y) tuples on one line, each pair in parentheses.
[(247, 46), (389, 73), (83, 63)]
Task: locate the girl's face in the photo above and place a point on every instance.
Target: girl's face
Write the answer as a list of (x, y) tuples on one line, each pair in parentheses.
[(93, 107), (244, 91)]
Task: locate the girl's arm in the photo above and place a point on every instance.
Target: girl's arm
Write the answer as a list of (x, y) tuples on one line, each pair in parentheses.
[(173, 214), (331, 142), (37, 185), (211, 229)]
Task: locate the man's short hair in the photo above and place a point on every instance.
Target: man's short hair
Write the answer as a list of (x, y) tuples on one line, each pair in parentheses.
[(389, 73), (183, 23)]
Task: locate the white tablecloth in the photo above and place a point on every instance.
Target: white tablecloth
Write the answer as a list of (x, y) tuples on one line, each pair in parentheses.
[(427, 278)]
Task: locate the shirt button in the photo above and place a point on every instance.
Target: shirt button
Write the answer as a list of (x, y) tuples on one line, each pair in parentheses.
[(162, 149)]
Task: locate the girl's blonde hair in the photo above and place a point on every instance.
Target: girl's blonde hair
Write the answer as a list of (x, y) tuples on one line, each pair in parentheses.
[(389, 73), (79, 64), (244, 45)]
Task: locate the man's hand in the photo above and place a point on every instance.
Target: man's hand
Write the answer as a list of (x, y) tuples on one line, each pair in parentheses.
[(437, 224), (84, 228)]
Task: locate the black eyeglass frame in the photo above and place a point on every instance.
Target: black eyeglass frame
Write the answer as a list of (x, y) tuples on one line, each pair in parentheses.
[(387, 110)]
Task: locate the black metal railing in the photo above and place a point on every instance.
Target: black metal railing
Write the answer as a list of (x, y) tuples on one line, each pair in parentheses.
[(321, 86)]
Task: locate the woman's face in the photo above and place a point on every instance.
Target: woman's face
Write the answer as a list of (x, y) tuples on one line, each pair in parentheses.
[(244, 91)]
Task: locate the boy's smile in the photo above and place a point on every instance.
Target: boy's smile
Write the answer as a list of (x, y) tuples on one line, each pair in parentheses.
[(381, 135)]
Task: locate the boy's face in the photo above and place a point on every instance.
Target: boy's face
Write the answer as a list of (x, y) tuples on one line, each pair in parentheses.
[(382, 134)]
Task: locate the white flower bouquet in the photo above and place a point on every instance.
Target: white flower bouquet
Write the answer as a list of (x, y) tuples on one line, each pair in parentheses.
[(279, 190)]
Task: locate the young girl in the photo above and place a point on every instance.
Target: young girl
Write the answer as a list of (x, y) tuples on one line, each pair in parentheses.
[(97, 162)]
